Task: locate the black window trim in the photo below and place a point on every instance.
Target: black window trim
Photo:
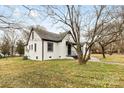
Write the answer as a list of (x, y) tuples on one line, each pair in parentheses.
[(35, 47), (49, 48), (31, 46)]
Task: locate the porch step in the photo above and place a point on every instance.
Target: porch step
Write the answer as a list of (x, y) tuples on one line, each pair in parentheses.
[(74, 56)]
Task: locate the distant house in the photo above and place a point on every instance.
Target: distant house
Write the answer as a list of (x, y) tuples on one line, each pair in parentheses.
[(44, 45)]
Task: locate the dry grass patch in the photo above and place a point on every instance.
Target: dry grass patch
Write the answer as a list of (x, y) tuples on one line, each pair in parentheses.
[(110, 58), (15, 72)]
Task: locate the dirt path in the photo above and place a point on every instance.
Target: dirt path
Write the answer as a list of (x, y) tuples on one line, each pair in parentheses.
[(94, 59)]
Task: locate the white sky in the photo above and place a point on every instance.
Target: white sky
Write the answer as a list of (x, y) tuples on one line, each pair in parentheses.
[(23, 16)]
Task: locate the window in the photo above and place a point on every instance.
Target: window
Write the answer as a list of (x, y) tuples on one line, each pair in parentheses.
[(35, 47), (32, 47), (50, 46), (32, 35), (69, 49)]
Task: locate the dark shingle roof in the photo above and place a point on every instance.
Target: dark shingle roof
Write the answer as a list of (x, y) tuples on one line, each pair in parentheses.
[(49, 35)]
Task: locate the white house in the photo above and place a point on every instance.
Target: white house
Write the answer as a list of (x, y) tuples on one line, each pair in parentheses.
[(44, 45)]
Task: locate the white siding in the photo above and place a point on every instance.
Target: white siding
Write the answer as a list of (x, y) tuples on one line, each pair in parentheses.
[(31, 53), (53, 54), (63, 48), (59, 49)]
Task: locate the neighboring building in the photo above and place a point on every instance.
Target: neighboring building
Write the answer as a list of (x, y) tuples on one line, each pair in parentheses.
[(44, 45)]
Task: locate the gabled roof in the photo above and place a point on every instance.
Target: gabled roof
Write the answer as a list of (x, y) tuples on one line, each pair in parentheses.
[(43, 34), (49, 36)]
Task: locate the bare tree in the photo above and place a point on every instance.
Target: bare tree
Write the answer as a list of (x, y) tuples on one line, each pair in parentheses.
[(72, 17), (77, 20), (13, 37), (12, 27), (111, 35), (20, 47), (112, 32), (5, 46)]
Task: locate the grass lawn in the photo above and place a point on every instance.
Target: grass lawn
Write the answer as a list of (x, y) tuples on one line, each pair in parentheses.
[(15, 72), (110, 58)]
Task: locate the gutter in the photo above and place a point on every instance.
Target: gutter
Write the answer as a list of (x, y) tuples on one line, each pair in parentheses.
[(42, 49)]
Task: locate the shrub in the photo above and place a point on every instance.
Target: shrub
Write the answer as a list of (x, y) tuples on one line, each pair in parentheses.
[(25, 58), (1, 56)]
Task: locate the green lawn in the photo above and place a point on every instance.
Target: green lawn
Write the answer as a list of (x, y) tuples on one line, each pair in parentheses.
[(110, 58), (15, 72)]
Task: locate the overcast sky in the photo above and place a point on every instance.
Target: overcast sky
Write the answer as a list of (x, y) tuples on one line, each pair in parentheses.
[(22, 15)]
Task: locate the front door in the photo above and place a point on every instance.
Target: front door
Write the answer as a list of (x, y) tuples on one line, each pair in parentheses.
[(69, 49)]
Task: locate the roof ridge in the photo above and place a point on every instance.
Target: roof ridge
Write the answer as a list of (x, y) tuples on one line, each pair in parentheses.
[(44, 34), (45, 31)]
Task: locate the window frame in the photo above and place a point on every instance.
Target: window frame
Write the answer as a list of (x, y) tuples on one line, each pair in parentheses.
[(35, 47), (50, 46), (31, 46)]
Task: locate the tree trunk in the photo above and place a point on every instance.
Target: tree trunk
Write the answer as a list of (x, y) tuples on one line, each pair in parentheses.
[(81, 59), (12, 50), (103, 50)]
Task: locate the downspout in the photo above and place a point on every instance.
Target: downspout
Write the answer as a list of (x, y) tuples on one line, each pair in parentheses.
[(42, 49)]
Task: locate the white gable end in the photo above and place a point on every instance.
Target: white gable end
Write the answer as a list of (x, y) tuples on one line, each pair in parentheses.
[(34, 47)]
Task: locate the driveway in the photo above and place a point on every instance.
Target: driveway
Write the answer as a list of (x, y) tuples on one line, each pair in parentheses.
[(94, 59)]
